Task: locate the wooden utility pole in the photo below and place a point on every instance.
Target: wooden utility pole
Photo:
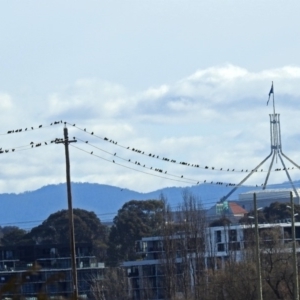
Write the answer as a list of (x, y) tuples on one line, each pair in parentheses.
[(258, 262), (295, 264), (70, 210)]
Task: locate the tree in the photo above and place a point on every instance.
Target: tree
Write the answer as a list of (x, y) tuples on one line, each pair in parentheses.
[(113, 286), (136, 219), (87, 227), (12, 235), (189, 242), (276, 211)]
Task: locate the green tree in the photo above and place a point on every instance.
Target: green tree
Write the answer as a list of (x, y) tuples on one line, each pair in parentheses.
[(136, 219), (274, 212), (12, 235), (87, 227)]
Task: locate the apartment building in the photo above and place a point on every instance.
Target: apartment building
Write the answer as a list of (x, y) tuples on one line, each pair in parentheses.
[(221, 244), (54, 276)]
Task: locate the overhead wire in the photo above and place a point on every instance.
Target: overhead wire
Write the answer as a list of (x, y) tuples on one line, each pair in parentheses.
[(30, 128), (165, 174), (152, 155)]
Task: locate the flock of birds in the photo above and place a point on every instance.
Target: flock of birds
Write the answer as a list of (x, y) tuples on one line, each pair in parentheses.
[(136, 150)]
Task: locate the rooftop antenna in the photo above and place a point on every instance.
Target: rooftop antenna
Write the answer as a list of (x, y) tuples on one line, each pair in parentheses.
[(276, 151)]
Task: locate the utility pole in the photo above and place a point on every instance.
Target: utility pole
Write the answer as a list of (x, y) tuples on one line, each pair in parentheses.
[(258, 263), (295, 264), (70, 210)]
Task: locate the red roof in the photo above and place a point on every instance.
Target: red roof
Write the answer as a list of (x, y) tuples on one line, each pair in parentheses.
[(236, 209)]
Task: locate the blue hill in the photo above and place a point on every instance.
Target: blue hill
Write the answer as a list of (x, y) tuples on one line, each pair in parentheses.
[(29, 209)]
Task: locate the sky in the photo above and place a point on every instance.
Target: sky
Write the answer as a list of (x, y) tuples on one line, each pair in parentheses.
[(184, 80)]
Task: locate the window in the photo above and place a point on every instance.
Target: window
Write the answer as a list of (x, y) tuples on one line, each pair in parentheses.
[(218, 236), (232, 235), (220, 247)]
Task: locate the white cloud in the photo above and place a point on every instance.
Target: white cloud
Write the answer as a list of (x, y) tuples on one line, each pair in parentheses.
[(216, 117)]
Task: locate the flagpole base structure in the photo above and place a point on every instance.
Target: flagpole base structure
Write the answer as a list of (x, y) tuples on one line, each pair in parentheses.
[(276, 152)]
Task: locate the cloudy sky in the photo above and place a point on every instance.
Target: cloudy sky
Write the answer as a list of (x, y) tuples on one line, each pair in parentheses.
[(185, 80)]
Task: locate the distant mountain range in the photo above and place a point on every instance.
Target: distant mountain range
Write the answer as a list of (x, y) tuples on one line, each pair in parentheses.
[(29, 209)]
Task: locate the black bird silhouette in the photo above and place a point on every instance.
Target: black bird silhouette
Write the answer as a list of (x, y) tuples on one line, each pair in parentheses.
[(32, 128), (73, 124), (204, 180), (40, 126), (13, 150), (92, 152), (46, 143), (115, 154), (25, 129), (113, 161), (92, 133), (181, 176), (87, 141), (84, 129)]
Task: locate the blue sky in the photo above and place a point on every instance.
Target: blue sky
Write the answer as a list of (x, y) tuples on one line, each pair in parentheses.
[(187, 80)]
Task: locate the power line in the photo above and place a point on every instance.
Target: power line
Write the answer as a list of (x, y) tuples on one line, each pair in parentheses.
[(164, 173), (183, 163)]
